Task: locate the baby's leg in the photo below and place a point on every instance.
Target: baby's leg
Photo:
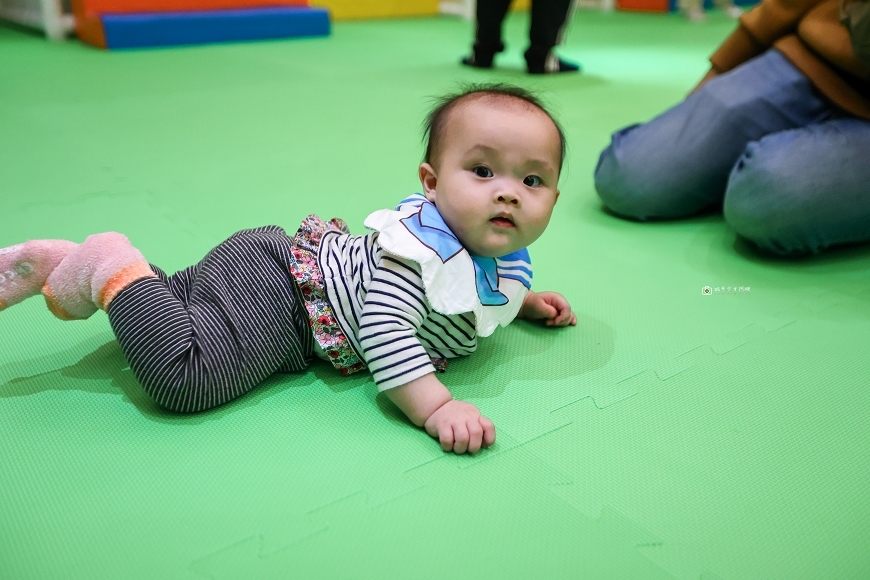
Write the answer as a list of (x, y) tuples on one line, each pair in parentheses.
[(92, 274), (25, 268), (210, 333)]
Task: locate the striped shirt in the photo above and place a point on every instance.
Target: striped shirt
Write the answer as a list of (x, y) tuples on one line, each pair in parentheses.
[(380, 303)]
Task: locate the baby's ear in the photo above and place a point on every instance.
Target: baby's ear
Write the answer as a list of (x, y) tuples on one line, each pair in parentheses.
[(428, 180)]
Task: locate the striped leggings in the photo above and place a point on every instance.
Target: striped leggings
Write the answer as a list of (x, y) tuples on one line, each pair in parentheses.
[(212, 332)]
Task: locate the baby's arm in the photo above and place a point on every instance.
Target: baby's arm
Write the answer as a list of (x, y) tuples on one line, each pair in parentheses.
[(457, 424), (395, 309), (548, 306)]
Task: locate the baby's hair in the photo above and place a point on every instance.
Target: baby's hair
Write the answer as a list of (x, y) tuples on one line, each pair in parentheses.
[(435, 124)]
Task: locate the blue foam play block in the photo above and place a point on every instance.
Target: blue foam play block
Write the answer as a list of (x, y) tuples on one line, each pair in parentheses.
[(146, 29)]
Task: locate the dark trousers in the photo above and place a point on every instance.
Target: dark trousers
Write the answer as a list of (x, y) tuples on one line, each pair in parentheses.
[(548, 19), (212, 332)]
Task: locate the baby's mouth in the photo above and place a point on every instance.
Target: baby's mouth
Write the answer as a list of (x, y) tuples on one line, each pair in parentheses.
[(502, 221)]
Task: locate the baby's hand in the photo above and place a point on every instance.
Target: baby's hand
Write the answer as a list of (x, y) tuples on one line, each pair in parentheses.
[(460, 427), (549, 306)]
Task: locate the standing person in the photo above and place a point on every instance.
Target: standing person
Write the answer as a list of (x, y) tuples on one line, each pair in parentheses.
[(777, 135), (545, 33)]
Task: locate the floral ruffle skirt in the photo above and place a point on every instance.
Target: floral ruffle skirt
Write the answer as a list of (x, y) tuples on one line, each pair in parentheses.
[(306, 272)]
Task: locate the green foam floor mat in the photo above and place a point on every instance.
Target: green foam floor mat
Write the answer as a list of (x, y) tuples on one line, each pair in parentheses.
[(668, 435)]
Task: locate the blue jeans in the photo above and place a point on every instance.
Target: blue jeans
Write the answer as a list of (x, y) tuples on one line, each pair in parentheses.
[(792, 172)]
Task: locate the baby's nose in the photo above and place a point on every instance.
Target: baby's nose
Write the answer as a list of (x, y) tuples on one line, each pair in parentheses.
[(507, 196)]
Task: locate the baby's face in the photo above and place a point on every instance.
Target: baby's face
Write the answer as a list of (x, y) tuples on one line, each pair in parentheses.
[(494, 180)]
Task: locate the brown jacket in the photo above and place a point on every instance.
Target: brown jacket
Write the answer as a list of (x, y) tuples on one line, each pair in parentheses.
[(809, 34)]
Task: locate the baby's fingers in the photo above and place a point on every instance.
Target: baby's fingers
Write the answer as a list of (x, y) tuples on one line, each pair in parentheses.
[(549, 311), (475, 434), (445, 436), (565, 317), (561, 320), (488, 431), (460, 438)]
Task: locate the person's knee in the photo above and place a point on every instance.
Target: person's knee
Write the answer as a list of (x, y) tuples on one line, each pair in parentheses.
[(168, 392), (186, 396), (644, 174), (765, 202), (625, 183), (181, 405), (613, 182), (187, 386)]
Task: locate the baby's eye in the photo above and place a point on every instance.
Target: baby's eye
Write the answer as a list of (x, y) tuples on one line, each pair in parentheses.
[(482, 171), (533, 181)]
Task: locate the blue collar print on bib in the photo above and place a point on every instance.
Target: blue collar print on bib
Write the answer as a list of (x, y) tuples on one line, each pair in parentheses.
[(456, 281), (428, 226)]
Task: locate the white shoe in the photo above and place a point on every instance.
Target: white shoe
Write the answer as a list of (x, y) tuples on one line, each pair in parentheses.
[(695, 14), (733, 11)]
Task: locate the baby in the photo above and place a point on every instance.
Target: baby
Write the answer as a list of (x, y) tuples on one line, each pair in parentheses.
[(435, 273)]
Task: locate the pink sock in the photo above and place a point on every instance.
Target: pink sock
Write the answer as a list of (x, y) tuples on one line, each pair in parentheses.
[(25, 268), (92, 275)]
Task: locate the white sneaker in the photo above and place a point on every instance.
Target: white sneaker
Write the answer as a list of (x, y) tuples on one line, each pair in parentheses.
[(733, 11), (695, 14)]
